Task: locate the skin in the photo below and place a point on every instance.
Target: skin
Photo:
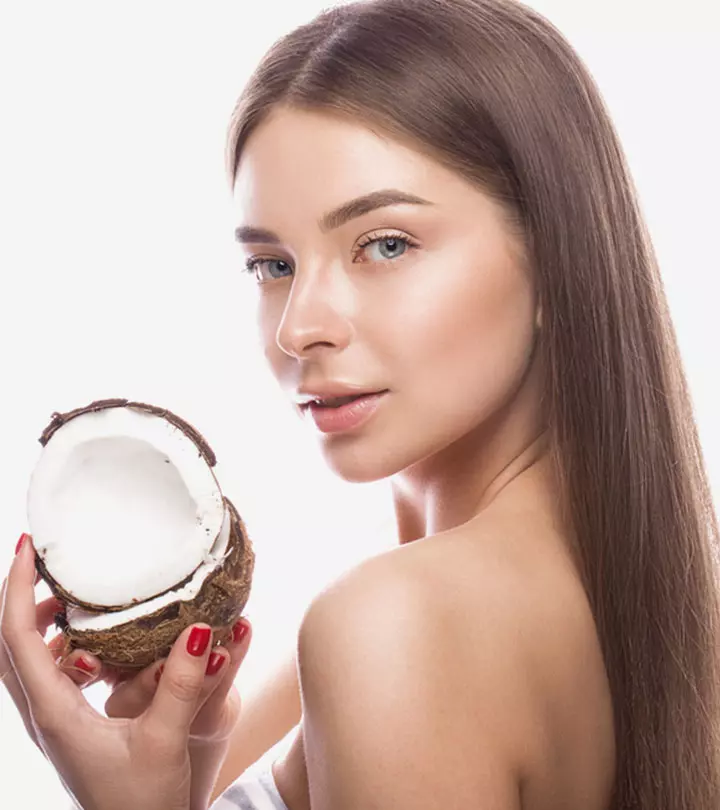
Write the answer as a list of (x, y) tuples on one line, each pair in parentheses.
[(463, 664), (448, 325), (145, 758)]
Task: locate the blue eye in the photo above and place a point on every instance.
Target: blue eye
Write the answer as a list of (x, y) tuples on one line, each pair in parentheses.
[(253, 263), (390, 246)]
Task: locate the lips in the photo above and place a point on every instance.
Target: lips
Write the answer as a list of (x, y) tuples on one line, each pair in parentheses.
[(336, 402), (344, 418)]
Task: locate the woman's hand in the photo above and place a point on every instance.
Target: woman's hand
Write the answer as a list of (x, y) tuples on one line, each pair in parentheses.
[(214, 722), (44, 613), (212, 727), (133, 690), (142, 761)]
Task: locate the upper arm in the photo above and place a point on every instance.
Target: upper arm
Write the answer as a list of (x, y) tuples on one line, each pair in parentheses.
[(393, 715)]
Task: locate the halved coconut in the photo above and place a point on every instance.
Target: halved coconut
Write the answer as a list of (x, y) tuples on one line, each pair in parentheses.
[(132, 531)]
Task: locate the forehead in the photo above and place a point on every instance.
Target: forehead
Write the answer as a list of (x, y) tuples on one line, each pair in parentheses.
[(298, 165), (306, 155)]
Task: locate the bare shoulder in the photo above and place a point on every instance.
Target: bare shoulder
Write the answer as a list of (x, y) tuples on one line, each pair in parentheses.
[(390, 716), (566, 737), (458, 666)]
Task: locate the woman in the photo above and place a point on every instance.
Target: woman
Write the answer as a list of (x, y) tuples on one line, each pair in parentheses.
[(438, 214)]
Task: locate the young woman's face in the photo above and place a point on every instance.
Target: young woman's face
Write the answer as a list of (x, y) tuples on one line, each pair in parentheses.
[(430, 301)]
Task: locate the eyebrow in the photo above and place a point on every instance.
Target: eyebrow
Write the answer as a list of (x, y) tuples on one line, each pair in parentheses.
[(338, 216)]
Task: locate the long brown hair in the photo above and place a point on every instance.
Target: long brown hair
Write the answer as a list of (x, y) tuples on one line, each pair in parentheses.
[(491, 89)]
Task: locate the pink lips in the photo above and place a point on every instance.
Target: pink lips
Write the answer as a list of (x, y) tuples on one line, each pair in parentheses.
[(346, 417)]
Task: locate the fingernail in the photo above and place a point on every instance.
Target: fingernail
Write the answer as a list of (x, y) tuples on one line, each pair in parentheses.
[(239, 631), (158, 672), (214, 663), (198, 640), (84, 665), (23, 538)]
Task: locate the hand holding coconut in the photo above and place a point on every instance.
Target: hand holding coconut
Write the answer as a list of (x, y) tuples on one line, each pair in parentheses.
[(142, 762), (133, 533), (146, 559), (44, 613)]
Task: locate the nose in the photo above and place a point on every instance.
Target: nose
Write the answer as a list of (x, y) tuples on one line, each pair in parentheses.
[(318, 313)]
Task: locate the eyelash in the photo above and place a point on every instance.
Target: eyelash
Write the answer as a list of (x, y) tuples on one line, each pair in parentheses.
[(370, 239)]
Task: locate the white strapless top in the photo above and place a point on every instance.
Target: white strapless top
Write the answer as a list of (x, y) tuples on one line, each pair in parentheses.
[(256, 792)]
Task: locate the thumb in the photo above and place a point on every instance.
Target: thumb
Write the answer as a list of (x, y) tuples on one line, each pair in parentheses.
[(176, 700)]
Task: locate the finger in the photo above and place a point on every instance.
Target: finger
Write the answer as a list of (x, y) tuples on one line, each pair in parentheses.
[(113, 676), (37, 577), (48, 691), (45, 613), (59, 646), (237, 650), (131, 697), (176, 699), (81, 667), (10, 681)]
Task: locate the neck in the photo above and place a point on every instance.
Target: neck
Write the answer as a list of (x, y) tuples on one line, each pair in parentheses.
[(505, 454)]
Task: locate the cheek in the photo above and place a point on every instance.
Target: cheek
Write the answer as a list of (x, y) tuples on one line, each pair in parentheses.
[(471, 339), (268, 316)]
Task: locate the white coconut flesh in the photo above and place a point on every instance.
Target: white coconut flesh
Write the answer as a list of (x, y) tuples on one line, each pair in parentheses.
[(122, 506), (82, 620)]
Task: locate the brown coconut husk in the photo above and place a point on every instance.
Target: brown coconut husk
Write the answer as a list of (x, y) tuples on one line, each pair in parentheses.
[(219, 603)]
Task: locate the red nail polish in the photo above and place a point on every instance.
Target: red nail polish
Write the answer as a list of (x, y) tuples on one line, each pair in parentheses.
[(158, 672), (84, 665), (198, 640), (214, 663), (239, 631), (23, 538)]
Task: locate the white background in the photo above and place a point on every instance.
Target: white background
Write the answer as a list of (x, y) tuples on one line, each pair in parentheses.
[(120, 278)]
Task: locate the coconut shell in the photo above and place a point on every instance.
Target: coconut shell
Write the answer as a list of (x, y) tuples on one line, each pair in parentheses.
[(60, 419), (219, 603)]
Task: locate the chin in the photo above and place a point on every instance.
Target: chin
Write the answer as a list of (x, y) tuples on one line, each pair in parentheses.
[(361, 466), (366, 462)]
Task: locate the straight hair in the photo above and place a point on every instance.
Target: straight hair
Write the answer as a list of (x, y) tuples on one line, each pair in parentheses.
[(492, 90)]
